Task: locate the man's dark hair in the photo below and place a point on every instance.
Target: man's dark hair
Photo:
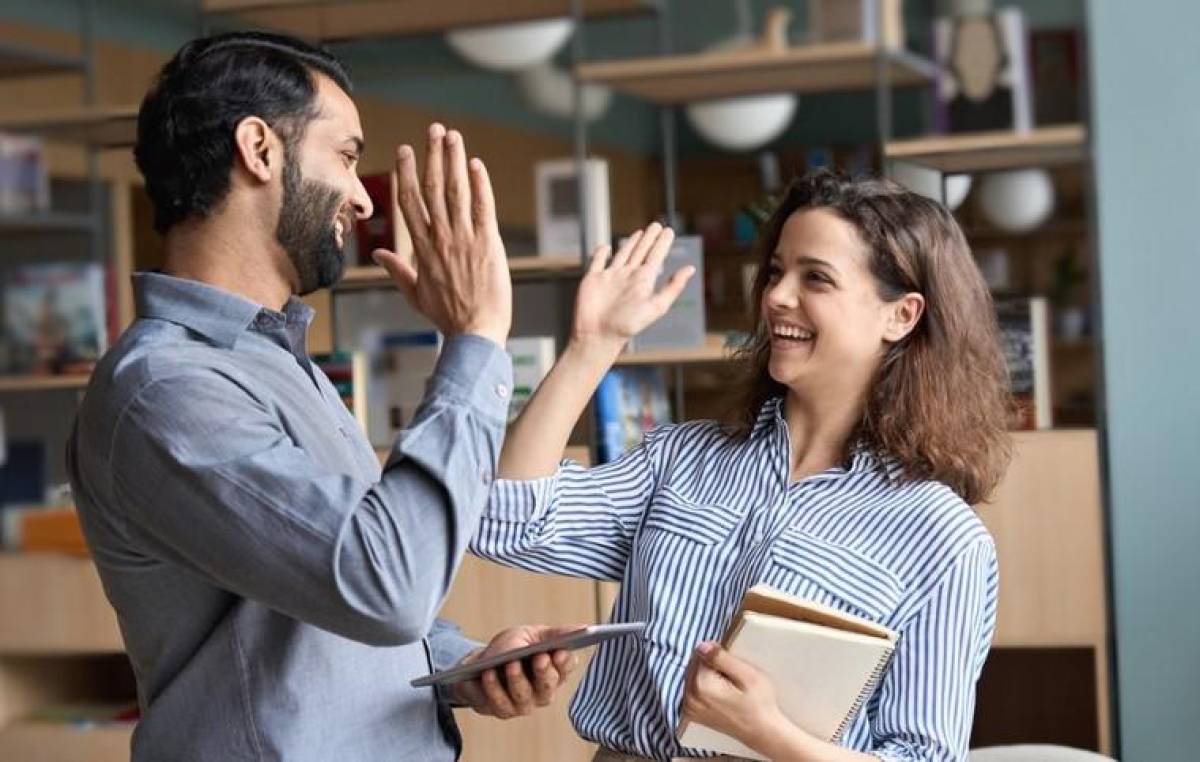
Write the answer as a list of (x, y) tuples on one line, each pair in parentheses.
[(185, 134)]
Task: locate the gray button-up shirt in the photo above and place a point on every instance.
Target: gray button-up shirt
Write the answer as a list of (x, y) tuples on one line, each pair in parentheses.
[(276, 590)]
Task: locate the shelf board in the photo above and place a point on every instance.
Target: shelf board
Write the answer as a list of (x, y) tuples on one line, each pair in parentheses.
[(579, 453), (99, 126), (43, 383), (31, 741), (54, 604), (21, 61), (521, 268), (47, 222), (973, 152), (713, 351), (325, 20), (820, 68)]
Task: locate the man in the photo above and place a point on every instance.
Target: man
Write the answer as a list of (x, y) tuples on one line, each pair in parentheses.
[(275, 589)]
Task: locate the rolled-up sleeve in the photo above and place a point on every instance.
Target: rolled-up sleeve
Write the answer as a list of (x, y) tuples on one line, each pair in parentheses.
[(927, 700), (579, 522), (221, 488)]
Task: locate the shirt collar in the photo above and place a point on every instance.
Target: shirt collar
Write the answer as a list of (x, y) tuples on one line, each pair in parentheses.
[(219, 315)]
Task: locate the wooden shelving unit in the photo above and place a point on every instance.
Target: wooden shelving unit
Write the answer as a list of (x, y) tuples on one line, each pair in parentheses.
[(51, 742), (42, 383), (54, 604), (1053, 592), (713, 351), (521, 268), (971, 152), (47, 222), (21, 61), (821, 68), (322, 19), (97, 126)]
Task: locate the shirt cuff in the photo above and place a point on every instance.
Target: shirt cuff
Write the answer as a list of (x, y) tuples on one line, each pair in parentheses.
[(520, 501), (475, 371)]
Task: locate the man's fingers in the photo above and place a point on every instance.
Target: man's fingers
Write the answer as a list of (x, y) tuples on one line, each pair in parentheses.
[(434, 186), (400, 268), (458, 187), (496, 697), (408, 197), (483, 201), (520, 692)]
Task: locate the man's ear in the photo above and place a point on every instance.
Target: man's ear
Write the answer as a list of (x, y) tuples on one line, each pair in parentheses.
[(259, 151), (903, 315)]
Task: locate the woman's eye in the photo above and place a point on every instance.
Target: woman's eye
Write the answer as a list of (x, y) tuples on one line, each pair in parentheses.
[(816, 277), (773, 272)]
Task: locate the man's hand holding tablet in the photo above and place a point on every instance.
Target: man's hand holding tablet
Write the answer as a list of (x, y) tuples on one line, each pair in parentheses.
[(476, 681)]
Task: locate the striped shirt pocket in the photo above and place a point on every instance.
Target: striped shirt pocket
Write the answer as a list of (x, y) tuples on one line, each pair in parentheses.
[(835, 575)]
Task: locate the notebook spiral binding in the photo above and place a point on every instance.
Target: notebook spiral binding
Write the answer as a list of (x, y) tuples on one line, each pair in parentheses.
[(866, 693)]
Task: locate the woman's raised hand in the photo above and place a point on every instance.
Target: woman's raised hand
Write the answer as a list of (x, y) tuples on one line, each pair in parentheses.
[(617, 298)]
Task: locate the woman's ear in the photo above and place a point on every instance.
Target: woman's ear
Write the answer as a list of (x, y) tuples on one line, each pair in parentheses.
[(258, 148), (903, 315)]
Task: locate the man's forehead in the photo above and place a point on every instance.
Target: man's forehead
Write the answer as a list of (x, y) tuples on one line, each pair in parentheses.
[(336, 109)]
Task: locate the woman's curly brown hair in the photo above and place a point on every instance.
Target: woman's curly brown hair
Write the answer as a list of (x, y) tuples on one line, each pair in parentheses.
[(940, 404)]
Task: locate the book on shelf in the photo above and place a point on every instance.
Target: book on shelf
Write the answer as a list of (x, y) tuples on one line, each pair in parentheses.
[(824, 663), (629, 402), (24, 179), (55, 318), (684, 323), (532, 359), (43, 529), (1025, 336), (347, 371), (401, 366)]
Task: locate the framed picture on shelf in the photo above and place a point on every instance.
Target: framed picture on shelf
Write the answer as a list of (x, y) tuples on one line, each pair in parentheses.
[(983, 72), (558, 206)]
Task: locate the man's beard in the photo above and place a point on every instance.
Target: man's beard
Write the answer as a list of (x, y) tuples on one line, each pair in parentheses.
[(305, 229)]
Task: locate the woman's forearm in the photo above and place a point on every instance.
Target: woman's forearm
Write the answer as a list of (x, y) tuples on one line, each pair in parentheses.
[(535, 442), (782, 741)]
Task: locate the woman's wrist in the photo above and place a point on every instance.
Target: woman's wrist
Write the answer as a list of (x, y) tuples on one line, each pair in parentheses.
[(780, 739), (594, 350)]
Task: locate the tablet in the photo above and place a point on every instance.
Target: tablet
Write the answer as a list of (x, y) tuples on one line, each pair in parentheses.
[(581, 638)]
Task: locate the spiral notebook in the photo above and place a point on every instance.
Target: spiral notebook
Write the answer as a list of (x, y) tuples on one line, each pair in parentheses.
[(824, 664)]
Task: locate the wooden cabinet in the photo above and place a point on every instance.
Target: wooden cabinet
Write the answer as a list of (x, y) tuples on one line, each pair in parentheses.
[(1048, 523)]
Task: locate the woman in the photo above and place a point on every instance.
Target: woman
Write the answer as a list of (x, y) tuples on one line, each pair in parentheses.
[(874, 414)]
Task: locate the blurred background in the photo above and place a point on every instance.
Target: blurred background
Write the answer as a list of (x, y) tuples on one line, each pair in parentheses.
[(1061, 132)]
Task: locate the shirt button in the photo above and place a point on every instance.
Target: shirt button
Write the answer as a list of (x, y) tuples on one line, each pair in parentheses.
[(501, 391), (485, 476)]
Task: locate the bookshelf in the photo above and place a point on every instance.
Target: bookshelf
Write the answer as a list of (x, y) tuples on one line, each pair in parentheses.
[(805, 69), (713, 350), (50, 742), (95, 126), (62, 607), (328, 20), (24, 61), (47, 222), (521, 268), (971, 152)]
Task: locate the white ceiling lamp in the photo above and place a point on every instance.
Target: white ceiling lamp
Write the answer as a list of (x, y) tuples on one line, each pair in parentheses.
[(549, 90), (511, 47), (747, 122), (929, 183), (1017, 201)]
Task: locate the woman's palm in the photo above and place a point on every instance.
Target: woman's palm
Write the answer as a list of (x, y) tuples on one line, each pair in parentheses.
[(617, 299)]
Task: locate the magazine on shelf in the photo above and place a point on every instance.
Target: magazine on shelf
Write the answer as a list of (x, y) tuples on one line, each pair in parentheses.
[(629, 402), (55, 319)]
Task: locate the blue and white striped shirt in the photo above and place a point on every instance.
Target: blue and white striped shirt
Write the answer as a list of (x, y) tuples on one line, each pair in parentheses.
[(691, 519)]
